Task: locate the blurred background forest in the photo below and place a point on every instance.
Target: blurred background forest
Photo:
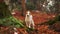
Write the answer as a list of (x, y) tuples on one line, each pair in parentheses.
[(46, 15)]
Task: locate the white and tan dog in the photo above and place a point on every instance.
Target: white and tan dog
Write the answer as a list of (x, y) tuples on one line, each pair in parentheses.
[(29, 20)]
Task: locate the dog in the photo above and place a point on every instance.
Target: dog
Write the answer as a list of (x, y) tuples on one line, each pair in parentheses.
[(29, 20)]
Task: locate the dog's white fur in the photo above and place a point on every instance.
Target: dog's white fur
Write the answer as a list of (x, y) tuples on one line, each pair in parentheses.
[(29, 20), (15, 32)]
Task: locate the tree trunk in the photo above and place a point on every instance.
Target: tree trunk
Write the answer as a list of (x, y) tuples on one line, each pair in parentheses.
[(23, 8), (38, 4), (4, 12)]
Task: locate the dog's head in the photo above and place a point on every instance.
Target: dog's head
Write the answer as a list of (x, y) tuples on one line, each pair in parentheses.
[(28, 12)]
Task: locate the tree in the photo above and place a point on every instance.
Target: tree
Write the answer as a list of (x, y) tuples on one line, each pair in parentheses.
[(6, 18), (38, 5), (4, 12), (57, 6), (23, 7)]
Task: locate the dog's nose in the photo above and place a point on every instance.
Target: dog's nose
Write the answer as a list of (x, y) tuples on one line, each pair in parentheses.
[(28, 15)]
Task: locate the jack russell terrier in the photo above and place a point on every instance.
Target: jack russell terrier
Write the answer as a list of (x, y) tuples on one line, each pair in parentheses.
[(29, 20)]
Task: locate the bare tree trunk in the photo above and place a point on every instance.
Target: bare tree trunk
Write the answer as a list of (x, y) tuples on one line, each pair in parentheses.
[(23, 8), (38, 4), (4, 11)]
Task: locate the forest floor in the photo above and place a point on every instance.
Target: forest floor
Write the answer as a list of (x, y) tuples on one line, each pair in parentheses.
[(38, 17)]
